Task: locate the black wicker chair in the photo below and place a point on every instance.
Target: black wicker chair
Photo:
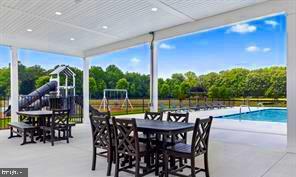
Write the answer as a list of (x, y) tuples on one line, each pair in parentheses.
[(199, 146)]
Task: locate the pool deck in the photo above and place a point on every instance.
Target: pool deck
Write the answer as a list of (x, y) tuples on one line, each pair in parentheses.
[(229, 124), (271, 135)]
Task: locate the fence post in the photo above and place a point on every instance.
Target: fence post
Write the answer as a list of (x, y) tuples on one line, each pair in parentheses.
[(143, 104), (189, 102), (169, 102), (126, 108)]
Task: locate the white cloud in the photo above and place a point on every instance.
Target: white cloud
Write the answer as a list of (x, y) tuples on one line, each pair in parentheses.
[(243, 28), (271, 22), (253, 49), (266, 50), (166, 46), (135, 61)]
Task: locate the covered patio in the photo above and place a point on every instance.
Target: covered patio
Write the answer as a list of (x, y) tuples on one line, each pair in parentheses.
[(231, 153), (89, 28)]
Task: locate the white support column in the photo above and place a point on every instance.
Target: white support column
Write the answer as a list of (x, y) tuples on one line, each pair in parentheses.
[(291, 81), (153, 77), (14, 84), (86, 90)]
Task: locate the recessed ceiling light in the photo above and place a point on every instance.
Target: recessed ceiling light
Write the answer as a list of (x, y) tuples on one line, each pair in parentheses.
[(154, 9), (105, 27), (29, 30), (72, 39), (58, 13)]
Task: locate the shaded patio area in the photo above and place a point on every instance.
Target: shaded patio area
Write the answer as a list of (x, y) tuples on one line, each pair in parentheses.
[(231, 153)]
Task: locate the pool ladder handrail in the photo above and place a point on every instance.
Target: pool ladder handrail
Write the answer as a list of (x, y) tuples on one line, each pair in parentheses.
[(242, 106)]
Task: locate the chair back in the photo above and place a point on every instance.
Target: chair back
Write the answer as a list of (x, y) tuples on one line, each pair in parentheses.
[(153, 116), (126, 136), (201, 134), (60, 118), (101, 130), (179, 117)]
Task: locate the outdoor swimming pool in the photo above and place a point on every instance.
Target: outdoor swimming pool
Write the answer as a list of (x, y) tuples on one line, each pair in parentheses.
[(268, 115)]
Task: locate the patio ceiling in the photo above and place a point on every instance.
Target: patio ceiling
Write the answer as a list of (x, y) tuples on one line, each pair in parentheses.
[(77, 27)]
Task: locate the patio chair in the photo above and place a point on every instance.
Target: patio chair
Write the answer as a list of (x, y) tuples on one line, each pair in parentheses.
[(102, 138), (199, 146), (178, 117), (60, 123), (208, 106), (221, 105), (179, 138), (195, 108), (215, 105), (127, 145), (153, 116)]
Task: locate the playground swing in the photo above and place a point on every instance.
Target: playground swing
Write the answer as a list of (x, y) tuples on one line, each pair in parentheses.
[(115, 95)]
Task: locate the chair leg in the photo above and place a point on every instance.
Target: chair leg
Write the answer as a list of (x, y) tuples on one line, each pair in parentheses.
[(94, 160), (206, 165), (137, 174), (52, 136), (110, 161), (166, 163), (44, 136), (156, 163), (117, 166), (193, 167), (67, 135)]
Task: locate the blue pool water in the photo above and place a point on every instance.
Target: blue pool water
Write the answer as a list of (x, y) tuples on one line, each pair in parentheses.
[(268, 115)]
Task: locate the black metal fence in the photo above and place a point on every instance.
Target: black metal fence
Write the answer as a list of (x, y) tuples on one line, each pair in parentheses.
[(27, 103), (140, 105)]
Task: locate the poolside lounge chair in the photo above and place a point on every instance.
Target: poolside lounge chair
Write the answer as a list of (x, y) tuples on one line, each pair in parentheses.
[(221, 105), (208, 106), (216, 105)]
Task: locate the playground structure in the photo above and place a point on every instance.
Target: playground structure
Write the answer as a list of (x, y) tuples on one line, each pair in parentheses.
[(37, 100), (117, 95), (55, 76)]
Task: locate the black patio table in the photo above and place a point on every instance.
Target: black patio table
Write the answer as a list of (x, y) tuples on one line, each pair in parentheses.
[(39, 117), (163, 128)]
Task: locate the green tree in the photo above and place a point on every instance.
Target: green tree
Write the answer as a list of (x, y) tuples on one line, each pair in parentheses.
[(184, 90), (165, 91), (122, 84), (191, 79), (213, 92), (41, 81), (101, 85), (4, 81), (113, 74), (92, 87)]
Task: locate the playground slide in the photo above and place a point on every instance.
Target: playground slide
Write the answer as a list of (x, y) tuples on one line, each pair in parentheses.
[(35, 96)]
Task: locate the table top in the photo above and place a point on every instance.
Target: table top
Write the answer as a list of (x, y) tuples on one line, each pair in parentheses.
[(163, 126), (35, 113)]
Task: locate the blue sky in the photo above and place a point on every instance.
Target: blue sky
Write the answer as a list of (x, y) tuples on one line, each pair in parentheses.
[(254, 44)]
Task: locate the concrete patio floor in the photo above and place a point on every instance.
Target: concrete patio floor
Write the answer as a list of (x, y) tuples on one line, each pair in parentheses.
[(232, 153)]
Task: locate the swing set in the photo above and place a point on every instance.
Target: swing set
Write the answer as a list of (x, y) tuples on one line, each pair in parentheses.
[(116, 95)]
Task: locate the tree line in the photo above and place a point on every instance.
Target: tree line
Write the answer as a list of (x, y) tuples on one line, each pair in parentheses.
[(238, 82)]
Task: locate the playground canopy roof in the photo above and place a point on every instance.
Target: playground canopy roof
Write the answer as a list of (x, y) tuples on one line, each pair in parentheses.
[(86, 28), (63, 70)]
